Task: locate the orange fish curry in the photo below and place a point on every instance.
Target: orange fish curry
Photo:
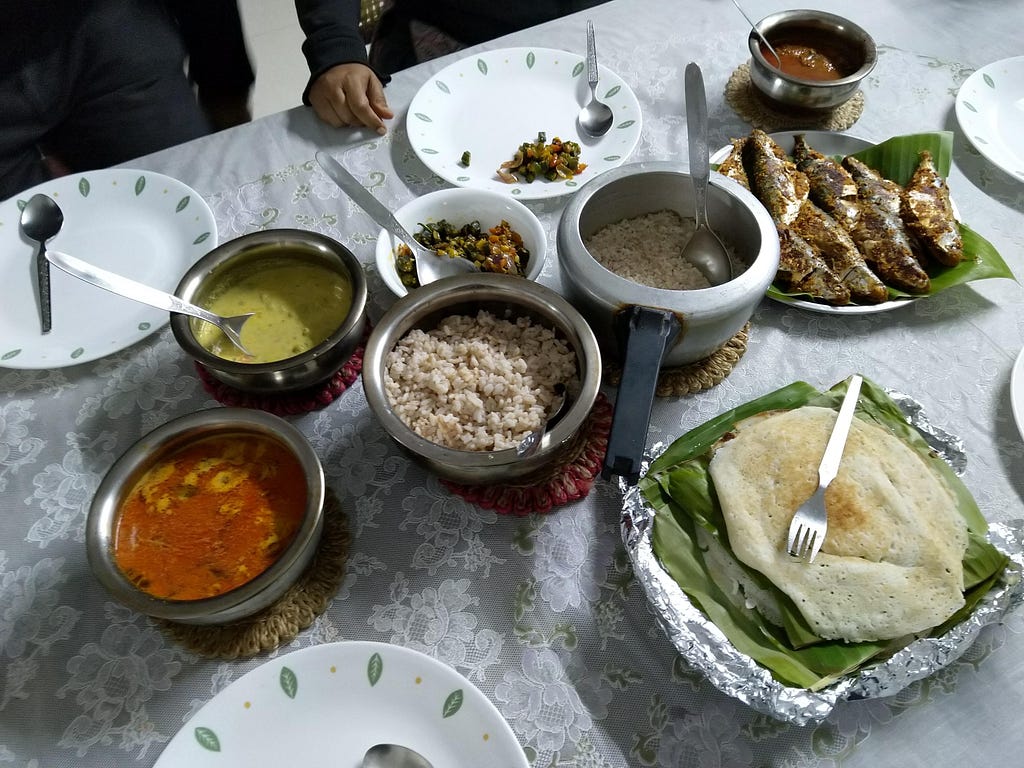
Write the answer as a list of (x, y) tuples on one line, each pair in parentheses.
[(210, 517)]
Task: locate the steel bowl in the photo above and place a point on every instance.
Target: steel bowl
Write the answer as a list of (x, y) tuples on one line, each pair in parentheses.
[(854, 45), (247, 253), (643, 328), (245, 600), (460, 206), (709, 316), (503, 296)]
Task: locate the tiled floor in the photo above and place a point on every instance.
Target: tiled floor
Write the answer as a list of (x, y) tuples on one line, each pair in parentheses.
[(274, 40)]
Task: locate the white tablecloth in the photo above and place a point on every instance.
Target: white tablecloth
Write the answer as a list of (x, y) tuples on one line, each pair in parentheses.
[(540, 606)]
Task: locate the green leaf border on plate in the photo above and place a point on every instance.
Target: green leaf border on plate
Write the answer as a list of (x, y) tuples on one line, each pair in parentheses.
[(452, 704), (207, 739), (289, 682), (374, 669)]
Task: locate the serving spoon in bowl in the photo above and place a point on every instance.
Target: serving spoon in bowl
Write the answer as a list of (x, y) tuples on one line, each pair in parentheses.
[(145, 294), (761, 37), (429, 266), (530, 444), (704, 250)]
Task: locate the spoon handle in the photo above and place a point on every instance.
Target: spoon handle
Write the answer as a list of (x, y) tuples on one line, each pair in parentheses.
[(762, 38), (591, 56), (43, 284), (362, 197), (697, 135), (125, 286)]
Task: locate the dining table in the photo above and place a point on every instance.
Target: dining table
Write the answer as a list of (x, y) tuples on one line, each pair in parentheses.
[(541, 611)]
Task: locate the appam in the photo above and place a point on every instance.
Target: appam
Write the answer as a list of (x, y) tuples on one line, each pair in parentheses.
[(891, 563)]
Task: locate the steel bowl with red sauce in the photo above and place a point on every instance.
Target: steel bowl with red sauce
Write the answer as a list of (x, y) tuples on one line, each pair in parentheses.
[(209, 518), (823, 59)]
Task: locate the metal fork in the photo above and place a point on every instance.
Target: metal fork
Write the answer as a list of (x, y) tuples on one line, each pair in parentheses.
[(810, 522)]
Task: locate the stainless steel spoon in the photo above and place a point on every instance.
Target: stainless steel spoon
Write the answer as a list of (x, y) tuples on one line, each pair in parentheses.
[(394, 756), (429, 266), (130, 289), (530, 444), (705, 251), (41, 219), (596, 117), (762, 38)]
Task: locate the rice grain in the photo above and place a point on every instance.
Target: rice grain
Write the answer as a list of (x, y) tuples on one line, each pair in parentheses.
[(477, 383), (648, 250)]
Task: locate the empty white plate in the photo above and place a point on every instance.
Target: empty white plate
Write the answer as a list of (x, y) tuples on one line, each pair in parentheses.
[(990, 109)]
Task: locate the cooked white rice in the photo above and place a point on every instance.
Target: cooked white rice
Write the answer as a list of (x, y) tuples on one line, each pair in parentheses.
[(477, 383), (648, 250)]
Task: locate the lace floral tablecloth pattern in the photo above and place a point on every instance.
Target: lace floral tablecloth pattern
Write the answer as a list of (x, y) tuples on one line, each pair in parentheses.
[(542, 612)]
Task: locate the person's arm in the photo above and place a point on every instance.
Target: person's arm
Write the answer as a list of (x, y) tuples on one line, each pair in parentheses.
[(343, 89)]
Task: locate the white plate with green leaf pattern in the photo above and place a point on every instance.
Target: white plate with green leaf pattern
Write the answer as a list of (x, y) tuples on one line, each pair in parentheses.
[(140, 224), (328, 704), (490, 103), (990, 109), (1017, 392)]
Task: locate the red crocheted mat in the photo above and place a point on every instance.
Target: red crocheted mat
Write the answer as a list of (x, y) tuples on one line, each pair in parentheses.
[(288, 403), (566, 483)]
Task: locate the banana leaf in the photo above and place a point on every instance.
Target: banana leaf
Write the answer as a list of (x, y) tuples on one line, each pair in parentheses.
[(688, 522), (896, 159)]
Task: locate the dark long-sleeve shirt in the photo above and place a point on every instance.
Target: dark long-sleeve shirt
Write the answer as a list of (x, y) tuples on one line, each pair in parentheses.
[(333, 36)]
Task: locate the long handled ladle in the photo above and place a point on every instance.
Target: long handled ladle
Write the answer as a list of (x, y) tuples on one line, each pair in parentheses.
[(762, 38), (429, 266), (130, 289), (704, 250)]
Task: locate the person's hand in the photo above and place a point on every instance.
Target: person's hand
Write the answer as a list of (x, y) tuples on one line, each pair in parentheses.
[(350, 94)]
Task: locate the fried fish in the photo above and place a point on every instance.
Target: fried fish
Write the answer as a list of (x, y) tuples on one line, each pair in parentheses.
[(775, 179), (879, 231), (928, 212), (801, 269), (840, 253), (784, 190), (732, 166), (832, 187)]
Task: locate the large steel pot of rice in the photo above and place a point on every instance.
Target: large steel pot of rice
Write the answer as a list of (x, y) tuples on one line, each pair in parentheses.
[(642, 328)]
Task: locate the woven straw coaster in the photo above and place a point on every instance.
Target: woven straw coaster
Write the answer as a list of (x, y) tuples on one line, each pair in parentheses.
[(569, 481), (287, 403), (696, 377), (272, 627), (749, 104)]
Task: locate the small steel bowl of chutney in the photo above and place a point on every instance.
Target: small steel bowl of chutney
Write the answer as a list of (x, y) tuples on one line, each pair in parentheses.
[(823, 59)]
